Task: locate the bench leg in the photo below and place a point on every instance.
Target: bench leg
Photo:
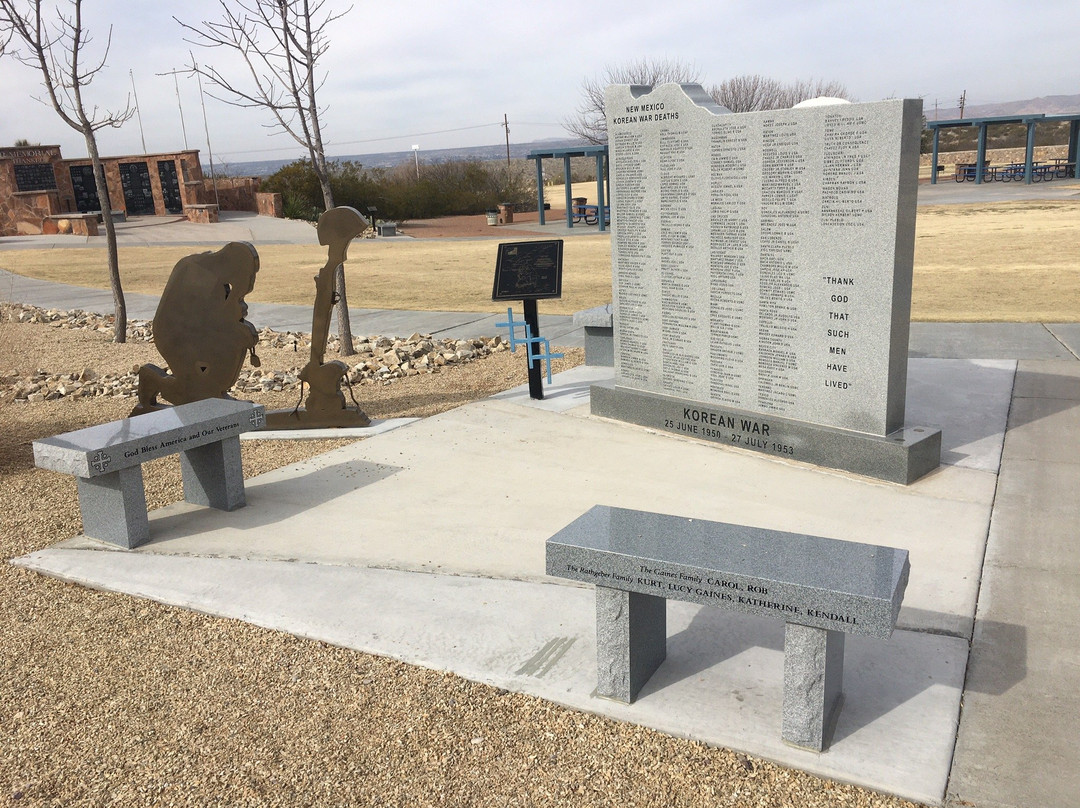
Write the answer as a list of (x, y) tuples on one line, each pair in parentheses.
[(813, 678), (213, 475), (631, 641), (113, 507)]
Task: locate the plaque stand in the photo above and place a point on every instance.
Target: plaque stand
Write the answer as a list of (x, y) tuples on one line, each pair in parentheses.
[(532, 318)]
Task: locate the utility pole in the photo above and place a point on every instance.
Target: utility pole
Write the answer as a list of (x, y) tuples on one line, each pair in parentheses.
[(138, 111), (416, 159), (963, 101), (206, 127), (506, 126), (179, 106)]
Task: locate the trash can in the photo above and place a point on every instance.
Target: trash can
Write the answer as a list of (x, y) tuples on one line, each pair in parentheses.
[(506, 213), (578, 203), (493, 216)]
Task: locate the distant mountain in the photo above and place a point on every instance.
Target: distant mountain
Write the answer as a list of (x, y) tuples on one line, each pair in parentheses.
[(1048, 104), (264, 168)]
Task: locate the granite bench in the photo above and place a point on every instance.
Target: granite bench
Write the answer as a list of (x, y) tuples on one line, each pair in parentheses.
[(822, 588), (106, 461), (599, 334)]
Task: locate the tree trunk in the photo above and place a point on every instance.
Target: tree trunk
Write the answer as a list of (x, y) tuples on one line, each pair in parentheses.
[(344, 324), (119, 304)]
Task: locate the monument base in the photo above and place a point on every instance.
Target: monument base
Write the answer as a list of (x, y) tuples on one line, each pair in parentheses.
[(306, 419), (902, 456)]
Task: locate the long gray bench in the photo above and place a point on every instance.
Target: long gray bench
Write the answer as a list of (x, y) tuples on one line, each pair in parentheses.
[(822, 588), (106, 461)]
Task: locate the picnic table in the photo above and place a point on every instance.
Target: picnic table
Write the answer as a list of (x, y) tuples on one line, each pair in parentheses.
[(1040, 172), (590, 214), (966, 171)]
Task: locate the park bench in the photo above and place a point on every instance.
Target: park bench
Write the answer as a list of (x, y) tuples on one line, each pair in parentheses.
[(822, 588), (79, 224), (106, 461)]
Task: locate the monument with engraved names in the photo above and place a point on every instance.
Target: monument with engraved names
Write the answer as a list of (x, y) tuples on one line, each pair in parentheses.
[(761, 272)]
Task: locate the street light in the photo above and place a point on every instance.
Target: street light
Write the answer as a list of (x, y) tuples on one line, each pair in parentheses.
[(416, 159)]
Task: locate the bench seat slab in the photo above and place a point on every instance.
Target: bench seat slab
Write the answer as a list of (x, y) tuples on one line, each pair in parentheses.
[(799, 578)]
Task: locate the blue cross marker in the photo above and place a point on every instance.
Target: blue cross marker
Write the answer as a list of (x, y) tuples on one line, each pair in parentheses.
[(514, 325), (529, 341)]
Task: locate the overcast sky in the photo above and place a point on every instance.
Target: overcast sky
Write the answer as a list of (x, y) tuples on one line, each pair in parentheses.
[(441, 73)]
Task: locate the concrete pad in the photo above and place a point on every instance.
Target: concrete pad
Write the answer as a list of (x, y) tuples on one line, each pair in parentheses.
[(969, 400), (570, 391), (571, 464), (1068, 334), (985, 341), (722, 682)]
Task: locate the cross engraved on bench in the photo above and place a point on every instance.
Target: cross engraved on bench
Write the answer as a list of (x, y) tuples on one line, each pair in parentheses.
[(100, 461)]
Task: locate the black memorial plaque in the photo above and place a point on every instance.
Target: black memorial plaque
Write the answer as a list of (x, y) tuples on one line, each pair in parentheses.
[(35, 177), (138, 193), (170, 186), (528, 270), (82, 181)]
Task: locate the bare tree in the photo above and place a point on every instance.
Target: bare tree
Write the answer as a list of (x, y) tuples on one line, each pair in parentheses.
[(56, 49), (590, 123), (281, 42), (754, 92)]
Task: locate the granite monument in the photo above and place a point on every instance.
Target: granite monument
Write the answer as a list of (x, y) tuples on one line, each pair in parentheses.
[(761, 270)]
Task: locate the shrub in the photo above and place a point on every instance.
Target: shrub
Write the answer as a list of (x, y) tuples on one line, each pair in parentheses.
[(444, 189)]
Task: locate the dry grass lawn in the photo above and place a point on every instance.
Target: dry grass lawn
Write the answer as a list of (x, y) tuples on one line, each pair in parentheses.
[(1008, 262), (427, 275)]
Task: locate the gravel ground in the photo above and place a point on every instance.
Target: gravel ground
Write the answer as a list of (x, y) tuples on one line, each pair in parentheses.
[(107, 700)]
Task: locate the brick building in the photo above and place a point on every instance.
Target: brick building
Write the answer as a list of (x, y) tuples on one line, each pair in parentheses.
[(36, 183)]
